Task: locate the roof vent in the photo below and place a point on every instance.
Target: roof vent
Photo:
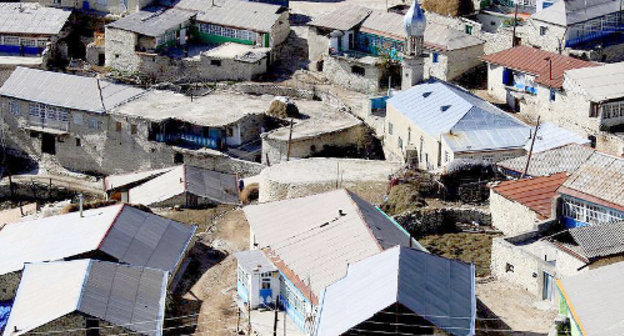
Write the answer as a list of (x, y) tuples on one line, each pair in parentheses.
[(341, 213), (426, 94), (444, 108)]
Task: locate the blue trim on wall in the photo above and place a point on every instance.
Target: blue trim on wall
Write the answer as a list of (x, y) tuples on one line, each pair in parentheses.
[(294, 314), (15, 49), (242, 292)]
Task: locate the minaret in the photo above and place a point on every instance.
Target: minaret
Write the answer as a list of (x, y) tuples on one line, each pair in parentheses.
[(412, 67)]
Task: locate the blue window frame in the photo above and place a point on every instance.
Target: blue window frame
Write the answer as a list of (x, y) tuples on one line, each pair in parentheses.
[(553, 94), (434, 57), (507, 76)]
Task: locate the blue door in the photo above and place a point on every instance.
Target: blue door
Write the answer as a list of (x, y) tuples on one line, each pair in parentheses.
[(85, 5)]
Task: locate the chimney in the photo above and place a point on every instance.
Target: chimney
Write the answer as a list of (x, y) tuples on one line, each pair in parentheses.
[(341, 213), (81, 203)]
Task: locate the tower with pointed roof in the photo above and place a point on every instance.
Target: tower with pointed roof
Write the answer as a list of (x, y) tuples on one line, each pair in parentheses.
[(412, 67)]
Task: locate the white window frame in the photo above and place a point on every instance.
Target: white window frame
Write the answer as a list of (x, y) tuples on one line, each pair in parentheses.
[(14, 108)]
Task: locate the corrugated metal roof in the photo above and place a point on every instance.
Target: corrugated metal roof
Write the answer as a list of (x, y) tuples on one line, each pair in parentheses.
[(602, 177), (385, 24), (310, 241), (118, 294), (596, 297), (344, 18), (534, 61), (153, 21), (439, 108), (569, 12), (218, 187), (64, 90), (254, 260), (600, 240), (601, 83), (255, 16), (563, 159), (123, 232), (440, 289), (442, 37), (31, 18), (121, 180), (551, 136), (535, 193)]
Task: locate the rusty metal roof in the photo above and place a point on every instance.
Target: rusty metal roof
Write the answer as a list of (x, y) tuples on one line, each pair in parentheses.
[(536, 193), (534, 61)]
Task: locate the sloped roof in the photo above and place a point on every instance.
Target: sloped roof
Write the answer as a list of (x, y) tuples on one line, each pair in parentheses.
[(128, 234), (562, 159), (551, 136), (310, 241), (153, 21), (444, 38), (439, 289), (219, 187), (600, 179), (440, 108), (595, 298), (600, 240), (128, 296), (600, 83), (534, 61), (64, 90), (569, 12), (256, 16), (535, 193), (121, 180), (384, 23), (344, 18), (31, 18)]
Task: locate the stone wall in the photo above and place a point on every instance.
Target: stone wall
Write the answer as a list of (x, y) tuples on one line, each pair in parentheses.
[(120, 50), (318, 47), (431, 221), (461, 60), (8, 285), (338, 70), (75, 320), (510, 217)]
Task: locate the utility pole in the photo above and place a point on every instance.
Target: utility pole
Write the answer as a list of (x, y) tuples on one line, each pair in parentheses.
[(515, 23), (249, 318), (276, 319), (526, 168), (289, 140), (284, 322)]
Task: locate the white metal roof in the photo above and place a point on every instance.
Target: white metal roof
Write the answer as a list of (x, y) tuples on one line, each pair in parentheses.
[(254, 260), (467, 122), (133, 297), (569, 12), (551, 136), (596, 296), (64, 90), (600, 83), (128, 234), (31, 18), (121, 180), (438, 289), (310, 238), (159, 189), (153, 21)]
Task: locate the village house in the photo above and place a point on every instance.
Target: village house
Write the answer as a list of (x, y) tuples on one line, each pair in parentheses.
[(99, 7), (591, 301), (566, 158), (117, 233), (434, 123), (530, 80), (363, 49), (186, 186), (117, 185), (230, 40), (582, 27), (80, 294), (416, 293), (299, 264), (30, 33)]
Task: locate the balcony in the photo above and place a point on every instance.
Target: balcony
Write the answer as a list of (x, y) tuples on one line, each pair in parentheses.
[(42, 124), (188, 139)]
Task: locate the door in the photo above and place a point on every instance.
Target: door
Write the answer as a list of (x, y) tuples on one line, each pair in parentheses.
[(183, 36), (547, 291), (48, 143), (266, 293)]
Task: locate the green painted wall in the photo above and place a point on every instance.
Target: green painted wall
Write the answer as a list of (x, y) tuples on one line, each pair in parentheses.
[(267, 40), (209, 38)]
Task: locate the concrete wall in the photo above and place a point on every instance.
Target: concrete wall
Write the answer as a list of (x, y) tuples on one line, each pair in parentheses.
[(512, 218), (276, 149), (318, 47), (453, 63), (338, 71)]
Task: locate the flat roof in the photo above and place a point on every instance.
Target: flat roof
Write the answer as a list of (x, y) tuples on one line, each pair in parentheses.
[(218, 109), (238, 52), (153, 21), (31, 18), (600, 83)]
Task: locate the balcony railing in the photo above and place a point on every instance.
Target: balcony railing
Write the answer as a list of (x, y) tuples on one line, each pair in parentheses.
[(48, 123), (190, 139)]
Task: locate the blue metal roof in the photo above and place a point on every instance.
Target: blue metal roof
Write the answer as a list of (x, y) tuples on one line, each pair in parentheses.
[(465, 121)]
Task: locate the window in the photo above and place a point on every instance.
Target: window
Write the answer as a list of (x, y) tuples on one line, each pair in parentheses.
[(228, 32), (358, 70), (613, 110), (118, 126), (593, 110), (507, 77), (133, 129), (78, 119), (553, 94), (409, 135), (400, 143), (33, 110), (243, 277), (14, 108), (509, 268), (56, 2), (468, 29), (11, 40), (434, 57), (77, 142), (94, 123), (215, 62), (589, 213), (447, 157), (390, 128), (542, 30), (266, 283)]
